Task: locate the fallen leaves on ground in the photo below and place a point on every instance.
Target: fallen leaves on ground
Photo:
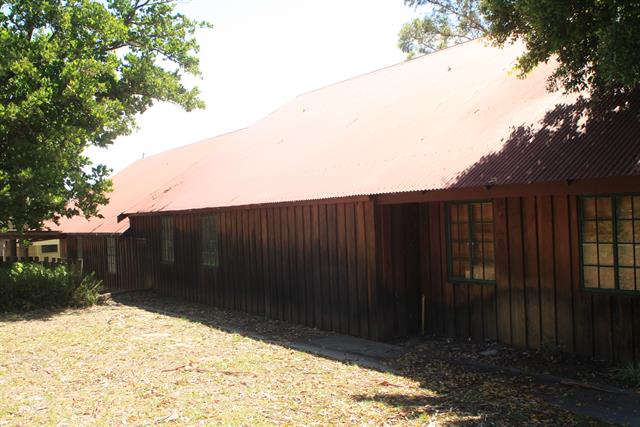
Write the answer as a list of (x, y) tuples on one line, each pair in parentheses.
[(128, 364)]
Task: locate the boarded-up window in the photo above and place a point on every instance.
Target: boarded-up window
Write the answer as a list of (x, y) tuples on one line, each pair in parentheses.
[(210, 257), (470, 242), (167, 239), (111, 255), (610, 242)]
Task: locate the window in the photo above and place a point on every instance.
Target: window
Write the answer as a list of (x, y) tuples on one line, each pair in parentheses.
[(79, 248), (49, 249), (210, 256), (111, 255), (470, 242), (167, 239), (610, 245)]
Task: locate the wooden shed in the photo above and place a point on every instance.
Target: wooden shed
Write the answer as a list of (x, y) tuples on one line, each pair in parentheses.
[(442, 195)]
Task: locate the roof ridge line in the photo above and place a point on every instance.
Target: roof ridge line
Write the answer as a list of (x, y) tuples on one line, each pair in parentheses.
[(397, 64)]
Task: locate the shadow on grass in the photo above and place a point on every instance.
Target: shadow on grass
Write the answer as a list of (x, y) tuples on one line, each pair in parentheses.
[(31, 315), (466, 397)]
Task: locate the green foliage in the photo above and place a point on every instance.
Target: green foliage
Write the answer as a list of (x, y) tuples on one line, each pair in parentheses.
[(630, 374), (27, 286), (447, 22), (75, 73), (596, 41)]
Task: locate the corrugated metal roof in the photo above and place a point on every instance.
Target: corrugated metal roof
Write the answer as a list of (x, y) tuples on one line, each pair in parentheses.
[(139, 181), (456, 118)]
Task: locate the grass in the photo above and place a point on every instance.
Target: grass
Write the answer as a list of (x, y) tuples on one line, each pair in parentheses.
[(125, 365)]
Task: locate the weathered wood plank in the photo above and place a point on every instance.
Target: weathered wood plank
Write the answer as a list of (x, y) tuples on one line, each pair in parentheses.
[(532, 279), (564, 291), (516, 273), (342, 270), (503, 297), (364, 312), (547, 267), (352, 272)]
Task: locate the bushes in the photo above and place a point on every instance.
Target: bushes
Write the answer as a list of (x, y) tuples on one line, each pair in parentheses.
[(27, 286)]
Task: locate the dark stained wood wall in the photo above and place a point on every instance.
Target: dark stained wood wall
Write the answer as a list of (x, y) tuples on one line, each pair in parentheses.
[(131, 258), (398, 269), (312, 264), (537, 301)]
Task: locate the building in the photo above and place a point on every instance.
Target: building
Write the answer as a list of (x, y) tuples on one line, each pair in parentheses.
[(442, 195)]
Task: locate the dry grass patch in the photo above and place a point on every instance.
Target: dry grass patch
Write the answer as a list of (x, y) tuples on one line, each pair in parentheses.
[(120, 365), (124, 365)]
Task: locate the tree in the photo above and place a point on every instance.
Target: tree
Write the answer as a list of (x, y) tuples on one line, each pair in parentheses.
[(75, 73), (597, 42), (448, 22)]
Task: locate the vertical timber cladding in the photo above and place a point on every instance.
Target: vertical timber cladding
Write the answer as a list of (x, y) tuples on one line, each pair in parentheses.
[(308, 263), (537, 300), (129, 257)]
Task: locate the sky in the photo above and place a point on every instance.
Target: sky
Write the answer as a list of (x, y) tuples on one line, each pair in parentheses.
[(261, 54)]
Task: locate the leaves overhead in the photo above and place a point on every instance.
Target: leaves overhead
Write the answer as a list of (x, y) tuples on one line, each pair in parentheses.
[(75, 73), (596, 42), (445, 23)]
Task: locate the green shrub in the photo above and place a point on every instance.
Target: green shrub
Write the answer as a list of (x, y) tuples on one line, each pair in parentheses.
[(630, 374), (27, 286)]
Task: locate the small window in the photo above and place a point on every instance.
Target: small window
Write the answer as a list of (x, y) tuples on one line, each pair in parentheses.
[(111, 255), (167, 239), (210, 257), (49, 249), (79, 248), (470, 242), (610, 242)]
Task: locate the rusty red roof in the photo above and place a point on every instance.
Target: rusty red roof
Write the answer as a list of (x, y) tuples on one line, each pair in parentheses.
[(459, 117), (137, 182)]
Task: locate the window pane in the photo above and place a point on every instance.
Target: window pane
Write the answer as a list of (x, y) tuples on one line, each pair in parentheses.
[(605, 253), (477, 232), (487, 212), (476, 209), (489, 271), (453, 229), (463, 213), (589, 231), (457, 269), (636, 206), (590, 254), (605, 231), (478, 272), (455, 250), (624, 207), (466, 272), (625, 255), (464, 231), (591, 277), (607, 278), (487, 232), (477, 251), (625, 231), (466, 240), (453, 213), (464, 250), (603, 207), (626, 279), (589, 208), (488, 251)]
